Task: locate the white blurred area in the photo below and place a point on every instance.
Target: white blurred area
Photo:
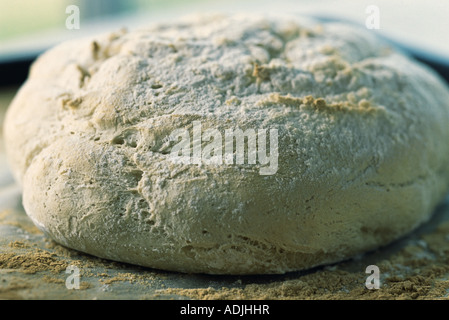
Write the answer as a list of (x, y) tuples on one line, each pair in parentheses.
[(420, 24)]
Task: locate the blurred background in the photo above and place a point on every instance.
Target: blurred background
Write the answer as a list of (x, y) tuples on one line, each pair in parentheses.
[(28, 27)]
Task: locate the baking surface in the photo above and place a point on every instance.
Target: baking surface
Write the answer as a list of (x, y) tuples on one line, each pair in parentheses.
[(34, 267)]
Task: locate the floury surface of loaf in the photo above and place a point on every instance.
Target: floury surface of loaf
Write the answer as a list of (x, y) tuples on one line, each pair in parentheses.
[(362, 141)]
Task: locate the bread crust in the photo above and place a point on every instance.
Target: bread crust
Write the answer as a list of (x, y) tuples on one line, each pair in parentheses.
[(362, 141)]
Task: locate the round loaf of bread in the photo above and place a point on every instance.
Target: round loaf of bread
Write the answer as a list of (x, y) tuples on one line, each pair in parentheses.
[(120, 144)]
